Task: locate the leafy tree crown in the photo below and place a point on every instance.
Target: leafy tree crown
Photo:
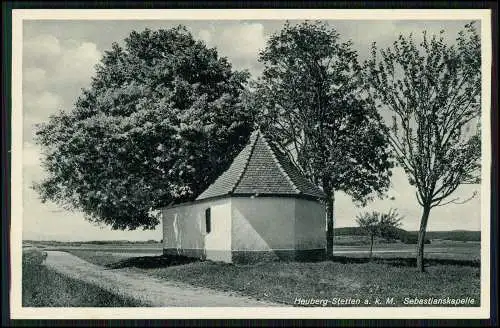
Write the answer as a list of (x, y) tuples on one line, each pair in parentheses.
[(160, 121), (312, 105)]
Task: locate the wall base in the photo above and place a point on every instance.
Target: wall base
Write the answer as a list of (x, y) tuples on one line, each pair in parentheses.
[(308, 255), (300, 255), (188, 252)]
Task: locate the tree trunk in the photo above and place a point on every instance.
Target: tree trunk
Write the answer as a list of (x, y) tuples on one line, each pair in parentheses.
[(330, 200), (371, 247), (421, 238)]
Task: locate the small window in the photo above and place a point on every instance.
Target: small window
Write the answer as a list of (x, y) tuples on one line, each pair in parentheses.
[(207, 220)]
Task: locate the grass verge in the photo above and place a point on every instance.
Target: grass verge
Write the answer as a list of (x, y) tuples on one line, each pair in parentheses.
[(284, 282), (42, 287)]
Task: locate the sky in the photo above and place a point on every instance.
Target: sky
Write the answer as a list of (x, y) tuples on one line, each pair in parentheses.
[(59, 59)]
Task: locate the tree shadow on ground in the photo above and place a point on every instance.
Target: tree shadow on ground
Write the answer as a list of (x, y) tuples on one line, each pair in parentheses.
[(152, 262), (162, 261), (404, 261)]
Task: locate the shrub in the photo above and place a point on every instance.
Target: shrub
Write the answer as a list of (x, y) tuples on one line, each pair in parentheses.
[(375, 224), (33, 256)]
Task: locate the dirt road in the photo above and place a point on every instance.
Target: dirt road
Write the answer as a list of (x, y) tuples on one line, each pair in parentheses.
[(150, 290)]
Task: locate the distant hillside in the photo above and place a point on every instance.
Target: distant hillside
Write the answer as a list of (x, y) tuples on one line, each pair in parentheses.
[(348, 231), (407, 237), (93, 242), (457, 235)]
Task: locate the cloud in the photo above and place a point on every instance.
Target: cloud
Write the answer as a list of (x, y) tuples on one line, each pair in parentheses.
[(58, 63), (42, 102), (42, 46), (34, 78), (386, 32), (32, 172), (77, 62), (54, 72), (31, 155), (244, 41), (240, 42), (37, 106), (206, 36)]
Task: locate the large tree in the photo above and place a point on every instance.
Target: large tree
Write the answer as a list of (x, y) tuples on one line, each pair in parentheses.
[(311, 105), (432, 92), (160, 121)]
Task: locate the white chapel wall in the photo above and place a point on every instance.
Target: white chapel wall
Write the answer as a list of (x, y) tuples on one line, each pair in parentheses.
[(309, 225), (263, 223), (184, 226)]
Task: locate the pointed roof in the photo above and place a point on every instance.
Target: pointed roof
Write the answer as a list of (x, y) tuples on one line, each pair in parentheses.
[(261, 168)]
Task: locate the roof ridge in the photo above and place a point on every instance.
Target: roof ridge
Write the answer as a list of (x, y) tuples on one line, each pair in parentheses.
[(280, 167), (247, 160)]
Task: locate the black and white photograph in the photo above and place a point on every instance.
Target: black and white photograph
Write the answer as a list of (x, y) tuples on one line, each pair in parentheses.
[(268, 163)]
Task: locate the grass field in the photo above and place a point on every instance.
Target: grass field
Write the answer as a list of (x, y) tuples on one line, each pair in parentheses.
[(437, 250), (42, 287), (352, 246), (283, 282), (452, 271), (455, 235), (121, 247)]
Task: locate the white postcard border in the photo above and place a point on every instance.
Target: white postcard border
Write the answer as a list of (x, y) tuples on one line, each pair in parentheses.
[(19, 312)]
